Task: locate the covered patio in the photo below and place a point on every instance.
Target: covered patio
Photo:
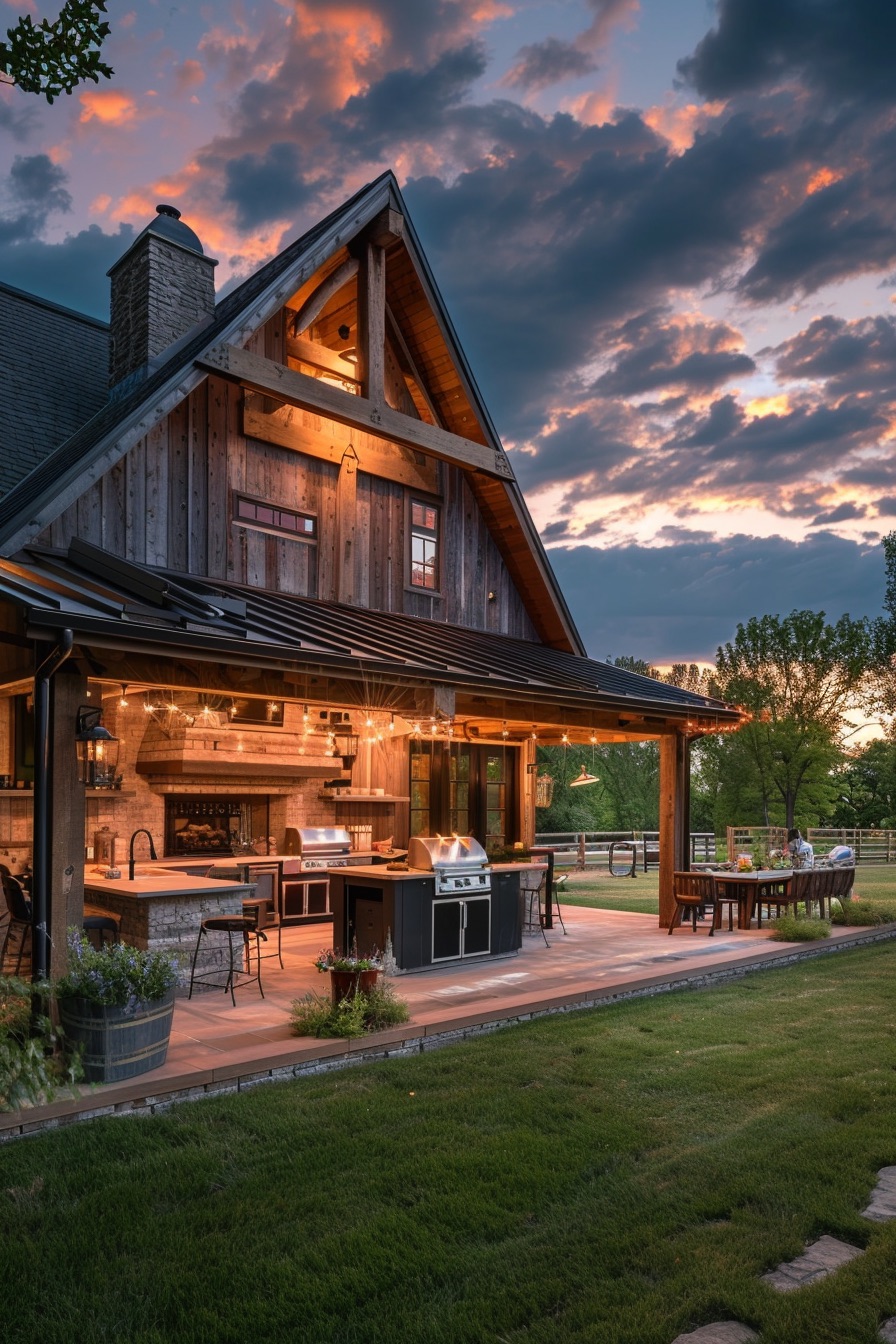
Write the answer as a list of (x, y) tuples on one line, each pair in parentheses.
[(604, 957)]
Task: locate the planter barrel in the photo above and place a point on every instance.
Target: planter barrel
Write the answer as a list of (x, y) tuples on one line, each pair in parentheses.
[(348, 984), (118, 1043)]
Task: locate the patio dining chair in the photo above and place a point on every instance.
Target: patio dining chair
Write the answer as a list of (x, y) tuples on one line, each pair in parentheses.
[(694, 894), (841, 889), (20, 919), (777, 894)]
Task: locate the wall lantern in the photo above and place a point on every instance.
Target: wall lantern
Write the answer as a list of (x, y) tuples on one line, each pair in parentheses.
[(97, 749), (544, 790), (346, 746)]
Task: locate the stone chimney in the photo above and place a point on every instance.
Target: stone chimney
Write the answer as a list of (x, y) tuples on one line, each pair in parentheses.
[(161, 288)]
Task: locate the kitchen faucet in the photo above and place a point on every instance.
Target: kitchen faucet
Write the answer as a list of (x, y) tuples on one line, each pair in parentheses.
[(152, 850)]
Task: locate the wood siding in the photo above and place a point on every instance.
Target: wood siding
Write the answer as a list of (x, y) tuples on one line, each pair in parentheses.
[(169, 502)]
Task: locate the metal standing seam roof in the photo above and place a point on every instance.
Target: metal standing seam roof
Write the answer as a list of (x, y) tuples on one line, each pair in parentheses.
[(115, 603)]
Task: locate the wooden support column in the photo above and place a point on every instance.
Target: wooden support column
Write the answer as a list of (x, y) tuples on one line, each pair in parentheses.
[(346, 521), (68, 690), (674, 757), (372, 324)]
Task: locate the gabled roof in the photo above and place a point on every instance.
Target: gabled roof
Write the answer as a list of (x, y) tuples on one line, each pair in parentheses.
[(117, 604), (63, 475), (54, 375)]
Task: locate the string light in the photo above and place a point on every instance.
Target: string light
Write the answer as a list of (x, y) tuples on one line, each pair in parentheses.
[(123, 702)]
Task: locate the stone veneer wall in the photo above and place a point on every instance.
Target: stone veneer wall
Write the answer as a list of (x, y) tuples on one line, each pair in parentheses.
[(159, 292)]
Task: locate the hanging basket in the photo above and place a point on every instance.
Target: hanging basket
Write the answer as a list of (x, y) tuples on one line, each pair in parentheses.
[(544, 790)]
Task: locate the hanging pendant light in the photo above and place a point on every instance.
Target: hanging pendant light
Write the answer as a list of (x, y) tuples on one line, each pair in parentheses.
[(583, 778)]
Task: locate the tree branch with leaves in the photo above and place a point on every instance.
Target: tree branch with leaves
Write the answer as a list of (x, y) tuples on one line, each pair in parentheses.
[(52, 58)]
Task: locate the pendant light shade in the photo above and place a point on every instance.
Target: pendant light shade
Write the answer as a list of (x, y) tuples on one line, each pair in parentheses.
[(583, 778)]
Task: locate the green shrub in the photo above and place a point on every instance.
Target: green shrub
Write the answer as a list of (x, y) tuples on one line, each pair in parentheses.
[(864, 912), (32, 1065), (790, 929), (315, 1015)]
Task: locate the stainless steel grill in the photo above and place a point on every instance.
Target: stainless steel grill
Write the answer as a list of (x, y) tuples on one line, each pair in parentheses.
[(459, 863), (322, 847)]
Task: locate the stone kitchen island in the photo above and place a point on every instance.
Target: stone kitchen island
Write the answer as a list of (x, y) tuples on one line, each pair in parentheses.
[(162, 909)]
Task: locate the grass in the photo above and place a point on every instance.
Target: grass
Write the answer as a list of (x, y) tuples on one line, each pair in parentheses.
[(609, 1177)]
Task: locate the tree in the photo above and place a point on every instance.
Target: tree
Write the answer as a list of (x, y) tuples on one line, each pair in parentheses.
[(52, 58), (797, 675)]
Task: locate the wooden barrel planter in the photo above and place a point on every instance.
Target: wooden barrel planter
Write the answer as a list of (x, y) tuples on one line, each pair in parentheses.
[(348, 984), (118, 1043)]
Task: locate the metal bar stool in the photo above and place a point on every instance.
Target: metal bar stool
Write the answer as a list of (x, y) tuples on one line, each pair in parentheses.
[(239, 969), (259, 909), (530, 896), (101, 922)]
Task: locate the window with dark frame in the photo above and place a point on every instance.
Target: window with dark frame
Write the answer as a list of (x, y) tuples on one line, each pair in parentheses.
[(267, 517), (424, 545)]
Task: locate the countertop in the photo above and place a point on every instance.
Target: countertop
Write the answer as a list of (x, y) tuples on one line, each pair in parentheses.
[(382, 872), (159, 884)]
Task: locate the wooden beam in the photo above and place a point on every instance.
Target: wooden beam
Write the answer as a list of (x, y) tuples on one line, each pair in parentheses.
[(372, 325), (388, 227), (290, 427), (409, 368), (673, 756), (346, 515), (271, 379), (321, 357), (318, 299)]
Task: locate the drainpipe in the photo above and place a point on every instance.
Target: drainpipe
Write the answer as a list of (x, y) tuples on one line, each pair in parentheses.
[(40, 860)]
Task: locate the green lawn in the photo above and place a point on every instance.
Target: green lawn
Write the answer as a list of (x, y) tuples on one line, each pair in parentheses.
[(596, 888), (614, 1176)]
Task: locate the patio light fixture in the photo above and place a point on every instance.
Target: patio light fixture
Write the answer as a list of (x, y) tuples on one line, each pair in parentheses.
[(97, 748)]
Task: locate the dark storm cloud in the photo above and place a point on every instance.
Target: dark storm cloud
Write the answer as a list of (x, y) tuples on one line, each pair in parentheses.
[(73, 272), (847, 356), (657, 354), (842, 48), (37, 182), (408, 104), (266, 186), (843, 513), (596, 444), (544, 63), (679, 603)]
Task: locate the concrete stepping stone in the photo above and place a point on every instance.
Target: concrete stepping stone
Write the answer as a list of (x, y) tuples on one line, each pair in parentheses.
[(887, 1331), (818, 1260), (720, 1332), (883, 1197)]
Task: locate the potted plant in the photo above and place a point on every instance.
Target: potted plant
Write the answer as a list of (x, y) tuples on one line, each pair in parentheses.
[(349, 974), (117, 1003)]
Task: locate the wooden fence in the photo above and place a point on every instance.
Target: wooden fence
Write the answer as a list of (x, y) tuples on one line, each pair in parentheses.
[(585, 849), (869, 846)]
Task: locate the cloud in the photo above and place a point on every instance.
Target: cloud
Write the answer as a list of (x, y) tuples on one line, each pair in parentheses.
[(39, 183), (267, 186), (679, 603), (71, 273), (541, 64), (840, 48), (112, 107), (857, 355), (661, 352)]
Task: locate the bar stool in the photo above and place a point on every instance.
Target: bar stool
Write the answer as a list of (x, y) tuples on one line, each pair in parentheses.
[(102, 922), (259, 909), (239, 970), (530, 896), (559, 883)]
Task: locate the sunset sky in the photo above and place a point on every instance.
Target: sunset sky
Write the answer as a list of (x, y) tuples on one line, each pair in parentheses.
[(665, 231)]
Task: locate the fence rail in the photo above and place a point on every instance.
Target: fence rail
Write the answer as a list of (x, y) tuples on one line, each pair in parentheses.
[(582, 849), (869, 846)]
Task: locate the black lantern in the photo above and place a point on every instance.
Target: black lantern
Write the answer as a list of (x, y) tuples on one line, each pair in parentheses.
[(97, 749), (346, 745)]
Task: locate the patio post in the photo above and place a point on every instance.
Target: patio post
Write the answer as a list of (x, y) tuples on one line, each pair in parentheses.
[(674, 820)]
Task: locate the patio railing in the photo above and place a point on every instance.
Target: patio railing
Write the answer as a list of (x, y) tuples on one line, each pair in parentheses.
[(584, 849)]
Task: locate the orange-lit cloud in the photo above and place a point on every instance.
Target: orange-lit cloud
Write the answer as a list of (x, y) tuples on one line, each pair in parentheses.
[(760, 406), (112, 107), (680, 125), (824, 177), (188, 76)]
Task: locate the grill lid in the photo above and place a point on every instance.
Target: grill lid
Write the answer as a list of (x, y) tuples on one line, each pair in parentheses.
[(323, 840), (434, 852)]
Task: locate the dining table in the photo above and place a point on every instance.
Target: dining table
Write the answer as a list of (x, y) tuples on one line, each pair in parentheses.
[(746, 886)]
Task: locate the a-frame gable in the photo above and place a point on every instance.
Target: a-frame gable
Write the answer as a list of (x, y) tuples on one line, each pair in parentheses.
[(400, 319)]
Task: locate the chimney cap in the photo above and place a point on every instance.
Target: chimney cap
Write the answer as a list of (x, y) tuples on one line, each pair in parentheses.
[(167, 224)]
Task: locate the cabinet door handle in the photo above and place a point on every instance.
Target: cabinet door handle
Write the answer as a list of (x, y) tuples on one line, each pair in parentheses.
[(463, 906)]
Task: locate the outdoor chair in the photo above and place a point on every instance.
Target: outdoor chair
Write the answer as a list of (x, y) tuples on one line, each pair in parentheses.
[(239, 968), (777, 893), (100, 925), (820, 891), (532, 884), (20, 918), (693, 893), (844, 880)]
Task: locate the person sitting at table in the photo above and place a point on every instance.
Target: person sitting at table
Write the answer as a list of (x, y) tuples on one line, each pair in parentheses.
[(801, 853)]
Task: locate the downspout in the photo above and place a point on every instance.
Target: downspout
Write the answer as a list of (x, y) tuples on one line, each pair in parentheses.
[(40, 860)]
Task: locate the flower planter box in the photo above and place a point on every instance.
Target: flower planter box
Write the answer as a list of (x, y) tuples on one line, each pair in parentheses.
[(118, 1043), (348, 984)]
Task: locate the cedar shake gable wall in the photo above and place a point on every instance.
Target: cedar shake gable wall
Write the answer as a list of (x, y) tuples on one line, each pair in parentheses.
[(363, 327)]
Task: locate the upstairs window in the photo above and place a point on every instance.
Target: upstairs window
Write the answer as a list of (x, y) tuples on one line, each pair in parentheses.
[(424, 566), (267, 517)]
